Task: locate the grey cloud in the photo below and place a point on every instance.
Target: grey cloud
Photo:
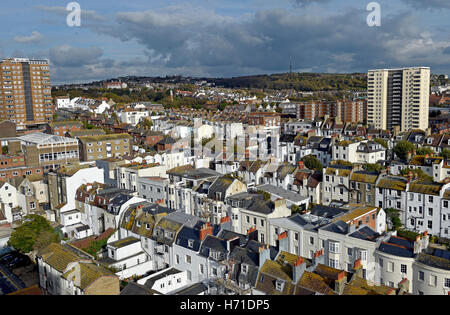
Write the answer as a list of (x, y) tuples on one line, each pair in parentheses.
[(199, 42), (428, 4), (67, 56), (88, 15), (35, 37), (446, 50), (304, 3)]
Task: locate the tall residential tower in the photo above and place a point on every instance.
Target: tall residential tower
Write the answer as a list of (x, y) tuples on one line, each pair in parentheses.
[(398, 97), (25, 91)]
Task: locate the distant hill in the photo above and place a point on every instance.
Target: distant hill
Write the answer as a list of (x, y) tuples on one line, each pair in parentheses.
[(297, 81), (283, 81)]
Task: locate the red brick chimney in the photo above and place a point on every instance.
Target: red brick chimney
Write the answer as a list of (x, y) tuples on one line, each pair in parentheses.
[(299, 261), (301, 165), (224, 220), (341, 275), (252, 229), (318, 253), (357, 264), (282, 235), (205, 230)]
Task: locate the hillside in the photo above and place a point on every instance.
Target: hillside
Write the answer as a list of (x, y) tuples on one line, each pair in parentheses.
[(297, 81)]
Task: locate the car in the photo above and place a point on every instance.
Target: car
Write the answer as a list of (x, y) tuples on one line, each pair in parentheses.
[(8, 257), (18, 261)]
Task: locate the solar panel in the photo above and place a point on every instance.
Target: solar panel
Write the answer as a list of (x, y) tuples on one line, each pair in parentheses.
[(442, 253)]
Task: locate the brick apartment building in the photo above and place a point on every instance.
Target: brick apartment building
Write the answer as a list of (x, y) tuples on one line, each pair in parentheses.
[(105, 146), (59, 128), (264, 119), (345, 110)]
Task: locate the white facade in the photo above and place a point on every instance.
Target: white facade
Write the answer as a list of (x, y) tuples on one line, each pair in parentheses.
[(81, 177)]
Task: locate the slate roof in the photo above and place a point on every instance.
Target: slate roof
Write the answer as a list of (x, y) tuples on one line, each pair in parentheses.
[(398, 246), (189, 235), (326, 211), (220, 185), (436, 258), (134, 288), (194, 289), (151, 281), (283, 193), (213, 243), (365, 233)]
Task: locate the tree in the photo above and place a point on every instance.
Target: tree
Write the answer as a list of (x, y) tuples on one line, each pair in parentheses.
[(5, 149), (394, 216), (35, 233), (403, 148), (376, 168), (45, 238), (424, 151), (445, 154), (312, 163)]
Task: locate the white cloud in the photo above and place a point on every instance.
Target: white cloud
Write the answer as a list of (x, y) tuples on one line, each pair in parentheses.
[(35, 37)]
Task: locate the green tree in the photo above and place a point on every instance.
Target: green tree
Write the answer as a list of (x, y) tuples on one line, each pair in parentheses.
[(372, 167), (394, 216), (424, 151), (312, 163), (5, 149), (402, 149), (445, 154), (35, 233)]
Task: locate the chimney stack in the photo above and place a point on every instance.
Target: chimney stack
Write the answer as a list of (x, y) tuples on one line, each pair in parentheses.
[(283, 242), (357, 268), (264, 254), (340, 283), (252, 234), (298, 269), (318, 258), (205, 230), (403, 286)]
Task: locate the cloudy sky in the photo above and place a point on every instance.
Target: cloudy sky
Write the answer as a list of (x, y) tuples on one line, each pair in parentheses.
[(222, 38)]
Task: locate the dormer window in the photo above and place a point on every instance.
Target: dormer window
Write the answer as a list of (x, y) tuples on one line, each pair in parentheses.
[(138, 223), (279, 285), (430, 140), (190, 243), (244, 268)]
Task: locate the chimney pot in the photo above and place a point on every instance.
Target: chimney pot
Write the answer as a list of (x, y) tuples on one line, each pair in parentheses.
[(299, 261), (341, 275)]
